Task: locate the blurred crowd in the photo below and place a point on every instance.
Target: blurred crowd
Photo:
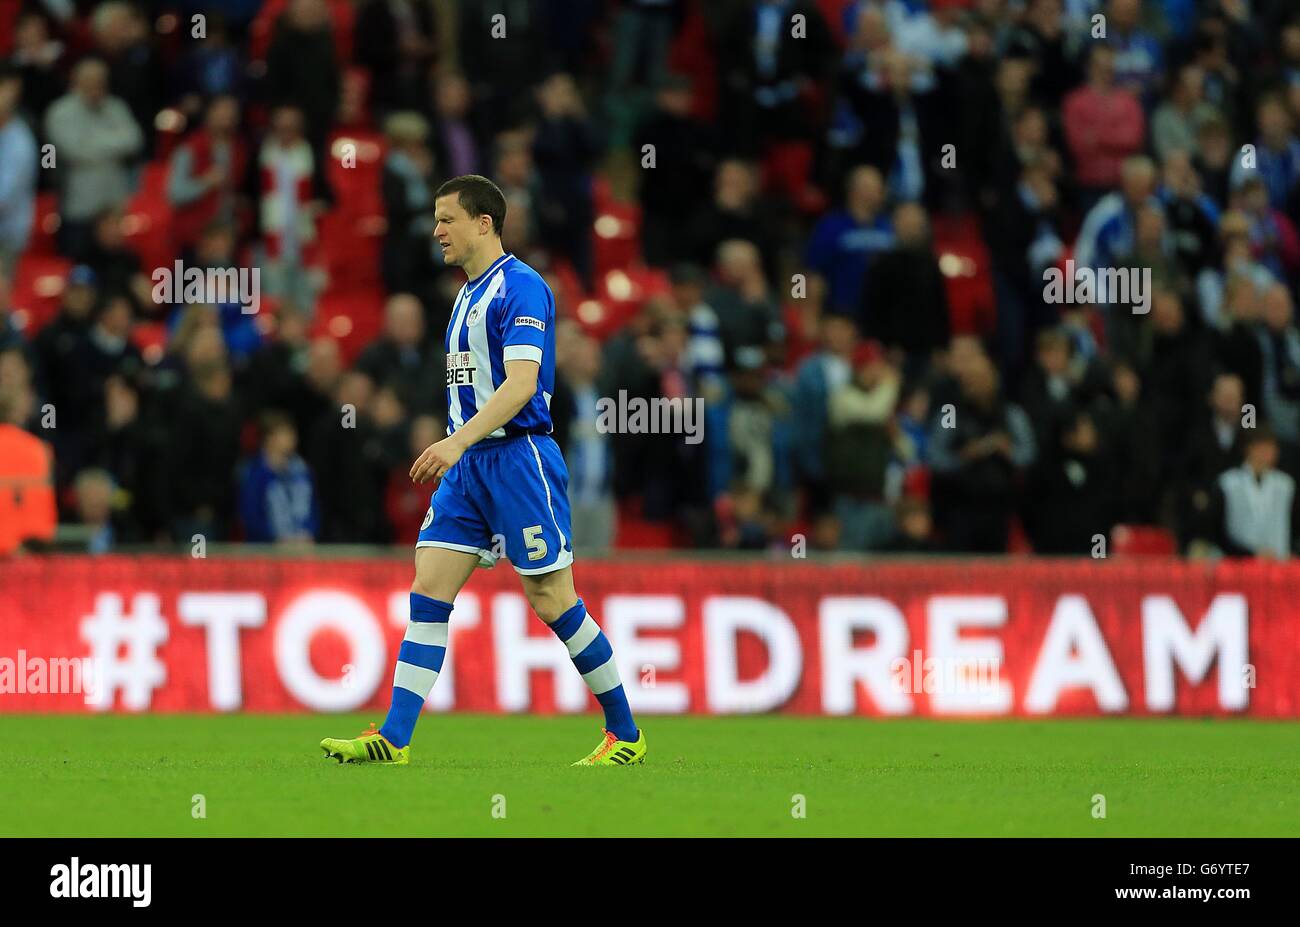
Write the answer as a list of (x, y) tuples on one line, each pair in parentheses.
[(799, 175)]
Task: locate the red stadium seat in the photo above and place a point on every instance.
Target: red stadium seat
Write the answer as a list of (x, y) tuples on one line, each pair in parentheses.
[(786, 172), (45, 224), (635, 533), (353, 317), (148, 218), (38, 289), (1142, 541), (9, 13), (616, 236)]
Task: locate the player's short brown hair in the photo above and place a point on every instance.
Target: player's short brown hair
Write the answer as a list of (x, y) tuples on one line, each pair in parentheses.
[(478, 196)]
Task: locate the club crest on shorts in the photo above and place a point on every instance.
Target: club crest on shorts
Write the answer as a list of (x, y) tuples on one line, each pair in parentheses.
[(428, 519)]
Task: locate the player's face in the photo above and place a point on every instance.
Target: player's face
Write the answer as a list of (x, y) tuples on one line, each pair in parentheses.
[(457, 234)]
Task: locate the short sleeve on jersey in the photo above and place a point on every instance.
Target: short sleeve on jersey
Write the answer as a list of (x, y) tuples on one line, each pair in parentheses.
[(527, 312)]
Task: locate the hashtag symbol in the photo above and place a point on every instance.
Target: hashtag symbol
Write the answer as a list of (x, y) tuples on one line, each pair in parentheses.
[(140, 671)]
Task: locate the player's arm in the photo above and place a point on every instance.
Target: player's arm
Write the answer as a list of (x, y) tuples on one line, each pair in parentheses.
[(519, 386)]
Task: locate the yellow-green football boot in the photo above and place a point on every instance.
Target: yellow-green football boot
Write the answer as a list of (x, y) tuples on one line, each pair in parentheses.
[(370, 747), (615, 752)]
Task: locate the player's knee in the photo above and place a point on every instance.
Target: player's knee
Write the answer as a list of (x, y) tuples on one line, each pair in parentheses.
[(548, 603)]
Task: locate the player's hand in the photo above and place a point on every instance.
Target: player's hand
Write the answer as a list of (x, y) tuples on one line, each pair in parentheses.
[(436, 460)]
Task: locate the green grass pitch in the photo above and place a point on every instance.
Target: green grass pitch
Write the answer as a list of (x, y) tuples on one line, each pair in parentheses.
[(264, 775)]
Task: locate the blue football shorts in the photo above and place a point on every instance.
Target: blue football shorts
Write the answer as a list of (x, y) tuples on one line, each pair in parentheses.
[(505, 494)]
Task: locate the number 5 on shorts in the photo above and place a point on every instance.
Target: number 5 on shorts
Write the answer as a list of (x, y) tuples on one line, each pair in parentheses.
[(534, 542)]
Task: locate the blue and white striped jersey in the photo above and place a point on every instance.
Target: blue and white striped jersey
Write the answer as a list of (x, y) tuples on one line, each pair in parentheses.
[(506, 313)]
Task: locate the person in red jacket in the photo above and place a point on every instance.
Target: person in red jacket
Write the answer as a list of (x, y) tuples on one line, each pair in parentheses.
[(1104, 124), (207, 173)]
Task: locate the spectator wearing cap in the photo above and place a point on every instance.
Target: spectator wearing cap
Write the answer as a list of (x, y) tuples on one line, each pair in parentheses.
[(1258, 501), (277, 500), (751, 423), (860, 441), (846, 241), (206, 173), (684, 152), (408, 204), (18, 173), (1104, 125), (978, 457), (95, 139)]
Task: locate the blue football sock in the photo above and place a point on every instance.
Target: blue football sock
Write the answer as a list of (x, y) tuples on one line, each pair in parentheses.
[(591, 654), (418, 663)]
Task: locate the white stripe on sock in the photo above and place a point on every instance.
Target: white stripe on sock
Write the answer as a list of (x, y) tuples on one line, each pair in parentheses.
[(602, 678), (587, 632), (430, 633), (414, 678)]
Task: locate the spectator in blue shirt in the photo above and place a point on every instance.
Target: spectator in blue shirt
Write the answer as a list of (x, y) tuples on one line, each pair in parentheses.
[(277, 499), (846, 241), (1277, 152), (18, 169)]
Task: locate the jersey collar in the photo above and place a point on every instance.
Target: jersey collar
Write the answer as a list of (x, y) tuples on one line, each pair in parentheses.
[(491, 267)]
